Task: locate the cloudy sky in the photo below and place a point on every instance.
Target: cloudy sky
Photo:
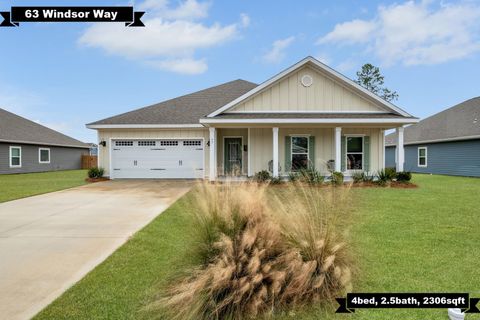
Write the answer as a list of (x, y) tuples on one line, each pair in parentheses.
[(65, 75)]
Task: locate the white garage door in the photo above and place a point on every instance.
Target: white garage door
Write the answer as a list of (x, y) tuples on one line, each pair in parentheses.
[(156, 159)]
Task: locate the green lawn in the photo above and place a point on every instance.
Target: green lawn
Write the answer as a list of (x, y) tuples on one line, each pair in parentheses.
[(405, 240), (16, 186)]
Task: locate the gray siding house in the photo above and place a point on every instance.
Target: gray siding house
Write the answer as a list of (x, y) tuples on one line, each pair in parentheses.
[(445, 143), (26, 146)]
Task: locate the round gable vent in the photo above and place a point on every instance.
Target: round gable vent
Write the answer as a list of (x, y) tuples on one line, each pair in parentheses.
[(307, 80)]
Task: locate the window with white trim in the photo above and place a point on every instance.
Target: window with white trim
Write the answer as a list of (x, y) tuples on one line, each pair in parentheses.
[(354, 155), (422, 156), (43, 155), (15, 157), (299, 152)]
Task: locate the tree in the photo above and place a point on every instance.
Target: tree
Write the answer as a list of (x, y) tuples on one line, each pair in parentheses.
[(370, 78)]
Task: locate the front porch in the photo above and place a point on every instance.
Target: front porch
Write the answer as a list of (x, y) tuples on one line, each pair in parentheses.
[(241, 152)]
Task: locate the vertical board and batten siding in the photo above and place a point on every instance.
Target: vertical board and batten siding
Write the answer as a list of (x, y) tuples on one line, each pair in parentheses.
[(457, 158), (106, 135), (234, 132), (61, 158), (261, 148), (325, 94), (261, 140)]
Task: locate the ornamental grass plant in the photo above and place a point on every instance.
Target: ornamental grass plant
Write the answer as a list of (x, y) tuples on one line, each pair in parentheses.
[(261, 251)]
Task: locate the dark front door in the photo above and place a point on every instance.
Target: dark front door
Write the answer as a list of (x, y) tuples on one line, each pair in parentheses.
[(233, 156)]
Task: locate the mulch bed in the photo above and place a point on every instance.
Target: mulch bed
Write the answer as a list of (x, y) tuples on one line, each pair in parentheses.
[(392, 184), (92, 180)]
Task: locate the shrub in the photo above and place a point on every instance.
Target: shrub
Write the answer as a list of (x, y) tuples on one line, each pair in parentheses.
[(259, 254), (358, 176), (391, 173), (293, 176), (368, 177), (95, 173), (311, 176), (383, 176), (336, 178), (404, 176), (262, 176), (276, 180)]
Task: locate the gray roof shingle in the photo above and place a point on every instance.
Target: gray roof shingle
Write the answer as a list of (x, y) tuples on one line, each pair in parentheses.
[(457, 122), (187, 109), (14, 128)]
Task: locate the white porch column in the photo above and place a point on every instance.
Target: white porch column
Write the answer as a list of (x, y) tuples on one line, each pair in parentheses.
[(249, 154), (213, 153), (382, 137), (399, 150), (275, 152), (338, 149)]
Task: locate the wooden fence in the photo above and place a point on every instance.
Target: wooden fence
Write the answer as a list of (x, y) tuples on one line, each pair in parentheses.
[(89, 161)]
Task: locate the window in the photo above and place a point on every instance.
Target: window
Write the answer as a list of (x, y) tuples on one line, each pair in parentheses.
[(146, 143), (422, 156), (15, 157), (354, 153), (44, 155), (171, 143), (299, 153), (124, 143)]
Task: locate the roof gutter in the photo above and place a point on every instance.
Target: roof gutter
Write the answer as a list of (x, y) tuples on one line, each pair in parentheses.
[(437, 140), (44, 144)]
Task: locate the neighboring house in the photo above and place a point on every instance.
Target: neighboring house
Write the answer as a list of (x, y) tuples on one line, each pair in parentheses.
[(308, 115), (26, 146), (445, 143)]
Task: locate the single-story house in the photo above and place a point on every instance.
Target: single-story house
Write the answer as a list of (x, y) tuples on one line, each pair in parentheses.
[(26, 146), (308, 115), (445, 143)]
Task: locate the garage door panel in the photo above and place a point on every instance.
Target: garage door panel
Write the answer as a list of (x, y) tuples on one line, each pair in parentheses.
[(156, 159)]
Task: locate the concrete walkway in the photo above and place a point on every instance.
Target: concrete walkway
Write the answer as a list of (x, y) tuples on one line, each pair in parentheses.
[(49, 242)]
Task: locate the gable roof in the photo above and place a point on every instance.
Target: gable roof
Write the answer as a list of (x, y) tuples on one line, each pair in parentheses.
[(334, 74), (459, 122), (16, 129), (184, 110)]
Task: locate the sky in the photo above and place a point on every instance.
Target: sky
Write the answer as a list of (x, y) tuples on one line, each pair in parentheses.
[(64, 75)]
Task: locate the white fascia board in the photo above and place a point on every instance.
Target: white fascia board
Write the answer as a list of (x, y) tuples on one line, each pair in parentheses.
[(325, 68), (437, 140), (307, 121), (142, 126)]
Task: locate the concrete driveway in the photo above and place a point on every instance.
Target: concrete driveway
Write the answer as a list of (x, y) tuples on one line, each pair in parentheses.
[(49, 242)]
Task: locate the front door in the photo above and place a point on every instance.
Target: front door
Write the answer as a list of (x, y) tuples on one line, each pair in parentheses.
[(233, 156)]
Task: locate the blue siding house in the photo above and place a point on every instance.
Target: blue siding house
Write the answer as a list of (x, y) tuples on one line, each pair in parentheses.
[(445, 143)]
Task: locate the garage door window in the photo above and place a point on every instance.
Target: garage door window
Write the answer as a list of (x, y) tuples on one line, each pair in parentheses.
[(124, 143), (192, 143), (171, 143), (146, 143)]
